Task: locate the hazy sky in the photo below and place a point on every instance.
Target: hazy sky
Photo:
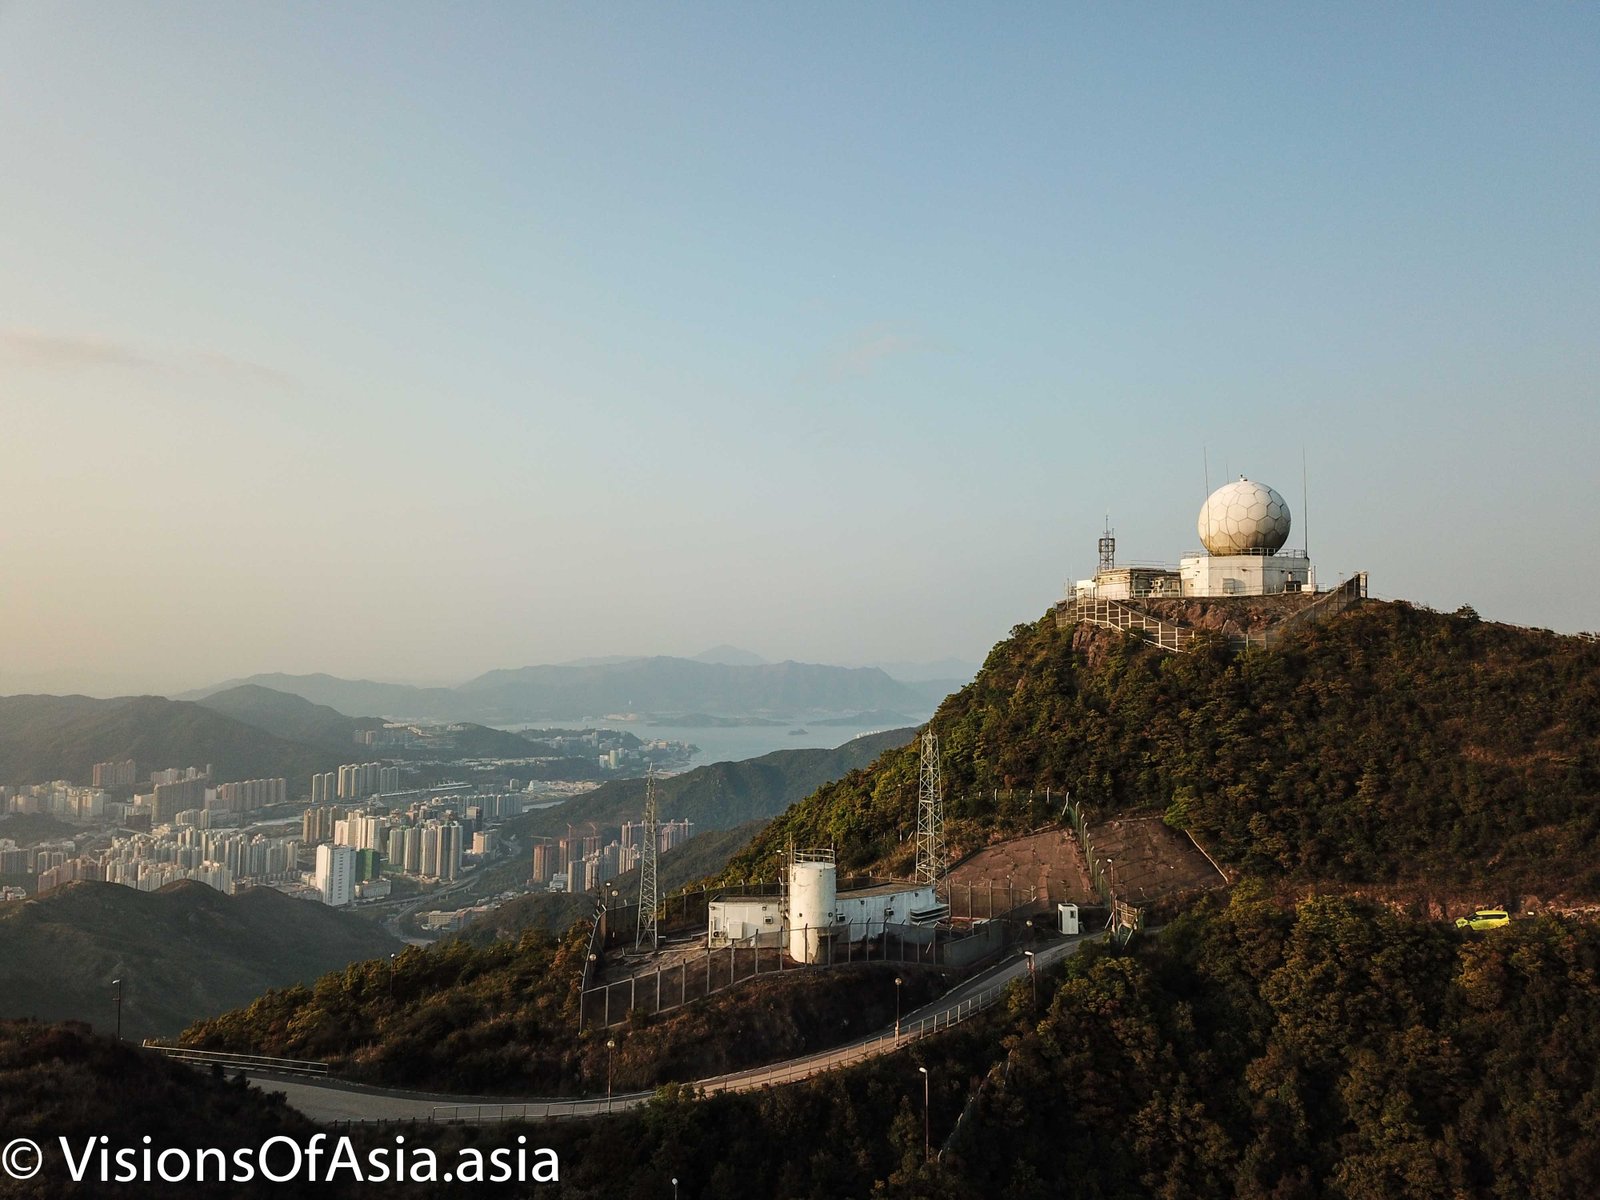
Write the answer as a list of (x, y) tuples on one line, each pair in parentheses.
[(409, 340)]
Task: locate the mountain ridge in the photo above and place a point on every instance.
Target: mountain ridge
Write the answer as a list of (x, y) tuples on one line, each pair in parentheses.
[(591, 689), (1390, 744), (43, 738), (59, 954)]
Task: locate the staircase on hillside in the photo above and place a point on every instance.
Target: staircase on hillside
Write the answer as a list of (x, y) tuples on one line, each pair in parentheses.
[(1168, 635)]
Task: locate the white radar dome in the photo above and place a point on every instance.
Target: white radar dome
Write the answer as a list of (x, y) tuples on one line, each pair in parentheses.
[(1244, 517)]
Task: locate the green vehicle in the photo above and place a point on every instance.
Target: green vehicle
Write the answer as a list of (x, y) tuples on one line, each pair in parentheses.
[(1485, 918)]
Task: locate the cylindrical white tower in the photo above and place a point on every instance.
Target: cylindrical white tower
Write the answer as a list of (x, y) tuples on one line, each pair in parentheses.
[(813, 892)]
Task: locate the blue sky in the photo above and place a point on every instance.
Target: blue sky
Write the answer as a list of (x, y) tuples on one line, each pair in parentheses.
[(412, 340)]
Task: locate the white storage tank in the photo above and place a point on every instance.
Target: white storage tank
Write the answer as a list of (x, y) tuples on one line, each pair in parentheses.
[(813, 901)]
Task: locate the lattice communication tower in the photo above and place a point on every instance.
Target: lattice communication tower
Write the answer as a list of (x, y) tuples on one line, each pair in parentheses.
[(930, 815), (648, 897), (1108, 547)]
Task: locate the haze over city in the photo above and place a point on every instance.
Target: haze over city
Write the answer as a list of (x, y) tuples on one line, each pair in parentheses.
[(378, 341)]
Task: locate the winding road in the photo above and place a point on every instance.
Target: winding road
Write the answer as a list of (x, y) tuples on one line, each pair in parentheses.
[(327, 1100)]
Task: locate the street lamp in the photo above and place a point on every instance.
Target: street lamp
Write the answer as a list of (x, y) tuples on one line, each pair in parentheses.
[(897, 982), (927, 1140), (117, 983), (1033, 974), (392, 958), (611, 1045), (674, 1187)]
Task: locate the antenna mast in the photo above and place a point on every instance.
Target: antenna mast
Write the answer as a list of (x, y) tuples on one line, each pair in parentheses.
[(1108, 547), (1305, 503), (930, 815), (647, 866)]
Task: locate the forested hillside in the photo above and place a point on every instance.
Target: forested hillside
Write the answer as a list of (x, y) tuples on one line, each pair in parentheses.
[(288, 716), (62, 737), (183, 952), (1393, 744), (1253, 1051), (716, 796), (1330, 1050), (502, 1019)]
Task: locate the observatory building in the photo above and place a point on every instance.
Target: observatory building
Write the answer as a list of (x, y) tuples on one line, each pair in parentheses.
[(1243, 527)]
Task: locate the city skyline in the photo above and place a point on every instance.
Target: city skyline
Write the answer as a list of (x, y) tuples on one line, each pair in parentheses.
[(389, 344)]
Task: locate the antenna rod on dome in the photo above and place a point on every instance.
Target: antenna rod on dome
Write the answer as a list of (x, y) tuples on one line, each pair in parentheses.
[(1205, 461), (1305, 504)]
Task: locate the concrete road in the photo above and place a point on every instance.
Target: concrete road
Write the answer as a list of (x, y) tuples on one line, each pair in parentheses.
[(329, 1100)]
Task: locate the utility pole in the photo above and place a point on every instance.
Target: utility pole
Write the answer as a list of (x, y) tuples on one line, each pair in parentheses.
[(930, 815), (648, 934), (117, 983), (927, 1139)]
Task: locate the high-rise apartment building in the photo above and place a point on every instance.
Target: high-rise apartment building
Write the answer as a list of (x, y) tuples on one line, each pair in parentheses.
[(412, 863), (318, 822), (247, 795), (335, 878), (116, 774), (545, 860), (171, 798), (359, 780)]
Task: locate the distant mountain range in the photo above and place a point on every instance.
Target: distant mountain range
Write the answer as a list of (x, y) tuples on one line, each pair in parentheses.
[(245, 732), (59, 955), (62, 737), (291, 717), (598, 688)]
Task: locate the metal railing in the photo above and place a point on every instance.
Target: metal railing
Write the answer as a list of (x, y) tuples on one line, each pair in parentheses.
[(1255, 552), (883, 1043), (253, 1062), (1111, 614), (539, 1110), (737, 1081), (720, 967)]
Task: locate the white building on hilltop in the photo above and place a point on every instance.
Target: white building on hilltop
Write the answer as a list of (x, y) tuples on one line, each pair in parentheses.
[(815, 915), (1243, 527)]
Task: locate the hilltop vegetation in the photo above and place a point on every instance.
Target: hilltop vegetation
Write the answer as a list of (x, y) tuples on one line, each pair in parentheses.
[(290, 717), (502, 1019), (183, 952), (62, 737), (1392, 745), (1331, 1050), (62, 1081), (29, 829)]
